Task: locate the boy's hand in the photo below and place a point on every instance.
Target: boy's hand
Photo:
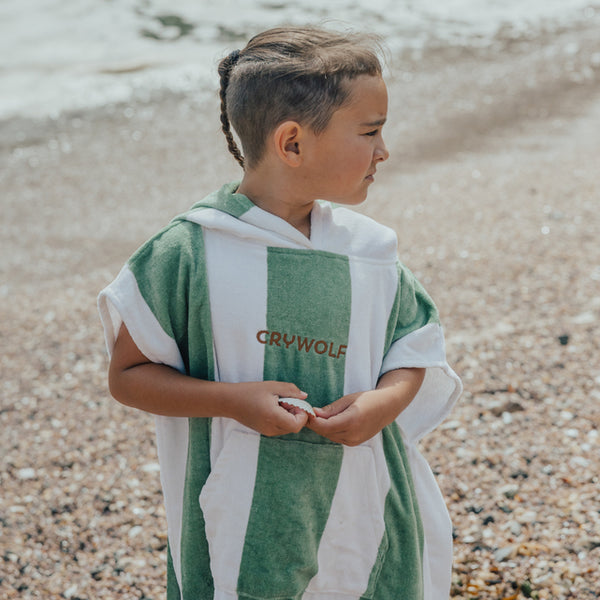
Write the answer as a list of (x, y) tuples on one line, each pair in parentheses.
[(356, 418), (257, 406), (352, 419)]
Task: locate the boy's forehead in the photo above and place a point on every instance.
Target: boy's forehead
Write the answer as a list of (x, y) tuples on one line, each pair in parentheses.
[(368, 100)]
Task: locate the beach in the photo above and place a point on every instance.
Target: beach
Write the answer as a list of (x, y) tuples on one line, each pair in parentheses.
[(492, 188)]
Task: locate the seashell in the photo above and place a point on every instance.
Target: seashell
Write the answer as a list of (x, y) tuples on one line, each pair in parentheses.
[(303, 404)]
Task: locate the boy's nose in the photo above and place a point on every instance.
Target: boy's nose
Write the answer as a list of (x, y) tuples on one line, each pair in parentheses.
[(381, 152)]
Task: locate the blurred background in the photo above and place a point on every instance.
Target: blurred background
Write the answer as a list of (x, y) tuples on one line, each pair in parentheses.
[(109, 126)]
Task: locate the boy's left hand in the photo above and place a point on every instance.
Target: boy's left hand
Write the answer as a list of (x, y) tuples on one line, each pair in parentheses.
[(356, 418), (350, 420)]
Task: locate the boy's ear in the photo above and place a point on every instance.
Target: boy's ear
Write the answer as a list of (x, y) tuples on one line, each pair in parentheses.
[(287, 139)]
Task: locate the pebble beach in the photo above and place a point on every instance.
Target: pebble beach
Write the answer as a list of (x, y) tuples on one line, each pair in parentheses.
[(492, 187)]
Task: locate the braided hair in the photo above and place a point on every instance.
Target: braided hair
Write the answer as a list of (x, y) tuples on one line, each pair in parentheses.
[(225, 67)]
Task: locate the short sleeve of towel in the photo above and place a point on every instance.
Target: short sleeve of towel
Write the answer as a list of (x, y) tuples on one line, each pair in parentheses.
[(151, 295), (415, 339)]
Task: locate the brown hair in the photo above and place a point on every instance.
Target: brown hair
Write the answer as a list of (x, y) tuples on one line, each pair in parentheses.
[(295, 73)]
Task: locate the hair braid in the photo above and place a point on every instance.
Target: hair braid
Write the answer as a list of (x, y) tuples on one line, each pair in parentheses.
[(225, 68)]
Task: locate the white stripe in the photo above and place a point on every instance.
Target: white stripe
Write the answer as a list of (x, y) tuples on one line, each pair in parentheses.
[(280, 233), (172, 438), (237, 277), (344, 231), (355, 526), (122, 302), (237, 282), (272, 223), (224, 595), (373, 294), (226, 499), (440, 389), (435, 399), (441, 386), (437, 528)]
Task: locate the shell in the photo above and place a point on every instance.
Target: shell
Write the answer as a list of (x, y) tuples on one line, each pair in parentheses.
[(303, 404)]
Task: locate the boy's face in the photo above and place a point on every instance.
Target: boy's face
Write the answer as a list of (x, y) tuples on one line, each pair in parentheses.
[(341, 160)]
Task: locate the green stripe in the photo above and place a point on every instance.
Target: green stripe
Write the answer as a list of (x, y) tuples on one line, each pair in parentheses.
[(417, 307), (196, 575), (173, 592), (308, 308), (226, 200), (197, 579), (400, 577), (412, 308), (171, 276), (309, 301), (392, 320), (294, 488)]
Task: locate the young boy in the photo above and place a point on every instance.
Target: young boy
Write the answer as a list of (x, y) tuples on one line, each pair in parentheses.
[(291, 360)]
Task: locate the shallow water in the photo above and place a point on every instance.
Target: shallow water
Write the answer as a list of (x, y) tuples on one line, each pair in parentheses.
[(59, 55)]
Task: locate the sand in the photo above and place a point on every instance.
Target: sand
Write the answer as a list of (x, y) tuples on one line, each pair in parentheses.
[(492, 188)]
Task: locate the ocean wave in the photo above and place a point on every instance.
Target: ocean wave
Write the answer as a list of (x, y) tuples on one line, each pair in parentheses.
[(59, 56)]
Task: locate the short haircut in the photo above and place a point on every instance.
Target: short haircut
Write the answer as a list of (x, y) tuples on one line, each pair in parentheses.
[(292, 73)]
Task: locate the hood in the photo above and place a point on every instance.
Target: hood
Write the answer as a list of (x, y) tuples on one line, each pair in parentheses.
[(333, 228)]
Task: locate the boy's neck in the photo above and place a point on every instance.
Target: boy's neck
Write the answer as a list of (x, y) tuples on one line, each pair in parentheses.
[(278, 196)]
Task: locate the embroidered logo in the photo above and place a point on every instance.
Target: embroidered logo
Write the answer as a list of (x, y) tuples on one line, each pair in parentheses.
[(302, 344)]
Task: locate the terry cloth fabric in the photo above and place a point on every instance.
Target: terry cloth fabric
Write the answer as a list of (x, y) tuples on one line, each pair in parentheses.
[(229, 292)]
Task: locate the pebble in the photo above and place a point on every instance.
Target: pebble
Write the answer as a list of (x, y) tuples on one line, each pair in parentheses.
[(503, 554), (509, 406), (152, 467), (135, 531), (450, 425), (579, 461), (529, 516), (515, 528), (26, 473), (510, 490)]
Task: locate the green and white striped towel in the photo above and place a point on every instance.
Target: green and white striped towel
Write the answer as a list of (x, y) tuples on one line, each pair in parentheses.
[(229, 292)]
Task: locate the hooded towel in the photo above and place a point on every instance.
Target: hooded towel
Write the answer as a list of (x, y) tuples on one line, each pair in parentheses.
[(229, 292)]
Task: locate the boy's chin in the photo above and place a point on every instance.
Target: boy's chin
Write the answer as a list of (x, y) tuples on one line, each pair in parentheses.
[(358, 196), (352, 200)]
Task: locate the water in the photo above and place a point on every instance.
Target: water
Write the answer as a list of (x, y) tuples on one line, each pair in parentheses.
[(64, 55)]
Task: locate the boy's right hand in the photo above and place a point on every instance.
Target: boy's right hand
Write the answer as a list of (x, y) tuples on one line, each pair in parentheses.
[(161, 390), (256, 405)]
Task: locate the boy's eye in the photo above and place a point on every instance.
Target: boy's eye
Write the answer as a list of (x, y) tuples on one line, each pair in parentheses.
[(372, 133)]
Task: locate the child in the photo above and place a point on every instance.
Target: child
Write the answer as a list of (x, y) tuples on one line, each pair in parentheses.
[(264, 298)]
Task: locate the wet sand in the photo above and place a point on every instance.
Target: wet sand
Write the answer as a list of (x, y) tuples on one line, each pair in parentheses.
[(492, 187)]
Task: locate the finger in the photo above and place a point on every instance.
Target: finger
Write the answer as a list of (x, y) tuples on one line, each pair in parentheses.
[(289, 410), (328, 427), (320, 412), (336, 407), (295, 410), (344, 436), (300, 420), (333, 436), (291, 390)]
